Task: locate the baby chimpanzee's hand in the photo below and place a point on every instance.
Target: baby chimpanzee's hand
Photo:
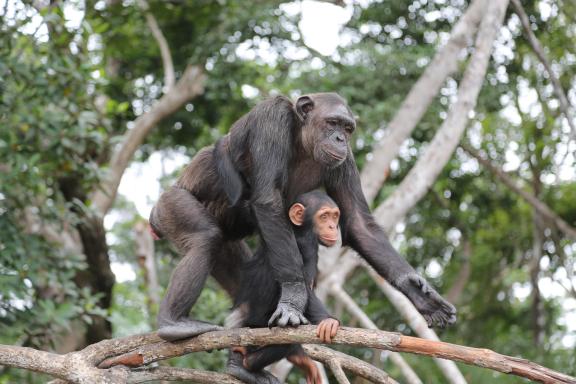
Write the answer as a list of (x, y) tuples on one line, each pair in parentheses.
[(327, 329)]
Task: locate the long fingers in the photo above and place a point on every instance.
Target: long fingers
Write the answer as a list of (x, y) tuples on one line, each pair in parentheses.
[(334, 329), (274, 317), (327, 330)]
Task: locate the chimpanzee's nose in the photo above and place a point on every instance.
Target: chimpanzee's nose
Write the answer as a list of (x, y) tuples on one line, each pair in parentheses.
[(340, 137)]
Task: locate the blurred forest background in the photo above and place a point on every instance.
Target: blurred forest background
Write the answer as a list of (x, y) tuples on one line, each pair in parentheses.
[(91, 91)]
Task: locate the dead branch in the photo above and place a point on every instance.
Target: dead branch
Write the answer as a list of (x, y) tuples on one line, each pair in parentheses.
[(190, 85), (538, 205), (539, 51), (138, 350)]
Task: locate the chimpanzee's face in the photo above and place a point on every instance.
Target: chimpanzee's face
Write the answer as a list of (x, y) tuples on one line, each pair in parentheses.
[(328, 127), (326, 224)]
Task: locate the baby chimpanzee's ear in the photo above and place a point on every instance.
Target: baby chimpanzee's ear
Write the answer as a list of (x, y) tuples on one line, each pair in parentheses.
[(296, 214)]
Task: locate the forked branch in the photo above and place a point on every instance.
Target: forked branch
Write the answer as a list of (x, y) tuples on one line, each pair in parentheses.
[(139, 350)]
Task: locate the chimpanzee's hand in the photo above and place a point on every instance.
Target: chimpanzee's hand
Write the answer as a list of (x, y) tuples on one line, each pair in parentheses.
[(291, 306), (286, 315), (437, 311), (327, 329)]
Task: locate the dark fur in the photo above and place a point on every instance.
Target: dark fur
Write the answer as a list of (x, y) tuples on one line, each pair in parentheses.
[(259, 292), (280, 150)]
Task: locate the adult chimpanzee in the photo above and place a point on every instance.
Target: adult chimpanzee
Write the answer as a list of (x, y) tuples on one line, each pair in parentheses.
[(279, 150), (315, 218)]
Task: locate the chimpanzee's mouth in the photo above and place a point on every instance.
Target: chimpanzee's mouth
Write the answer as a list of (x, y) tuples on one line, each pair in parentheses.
[(328, 241), (336, 156)]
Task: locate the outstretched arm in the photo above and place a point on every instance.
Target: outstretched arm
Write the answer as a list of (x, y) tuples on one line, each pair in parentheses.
[(364, 235)]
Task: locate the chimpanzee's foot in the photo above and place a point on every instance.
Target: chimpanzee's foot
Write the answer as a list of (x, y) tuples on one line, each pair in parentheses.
[(236, 368), (437, 311), (183, 329)]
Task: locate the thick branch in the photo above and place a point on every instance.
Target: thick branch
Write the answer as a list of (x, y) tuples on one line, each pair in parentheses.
[(486, 358), (32, 360), (190, 85), (539, 51), (423, 92), (430, 164), (542, 208), (145, 349)]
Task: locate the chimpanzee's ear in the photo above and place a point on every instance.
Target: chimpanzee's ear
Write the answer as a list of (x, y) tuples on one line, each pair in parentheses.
[(296, 214), (304, 105)]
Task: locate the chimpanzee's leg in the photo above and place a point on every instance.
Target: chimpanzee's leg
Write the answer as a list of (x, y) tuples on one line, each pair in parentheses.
[(187, 224), (260, 358), (228, 262), (300, 359), (235, 367)]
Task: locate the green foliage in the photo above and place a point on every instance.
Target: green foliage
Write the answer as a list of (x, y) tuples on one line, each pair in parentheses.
[(69, 93)]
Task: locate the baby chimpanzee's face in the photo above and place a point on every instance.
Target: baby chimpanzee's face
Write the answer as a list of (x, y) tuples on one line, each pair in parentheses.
[(326, 224)]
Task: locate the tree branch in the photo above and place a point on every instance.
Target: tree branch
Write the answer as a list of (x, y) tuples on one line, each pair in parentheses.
[(430, 164), (539, 51), (341, 295), (350, 363), (134, 351), (423, 92), (541, 207), (180, 374), (190, 85), (169, 77)]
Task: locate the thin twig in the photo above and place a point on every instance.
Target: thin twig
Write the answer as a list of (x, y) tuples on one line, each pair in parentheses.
[(539, 51), (349, 363), (342, 296), (541, 207), (168, 64), (338, 372)]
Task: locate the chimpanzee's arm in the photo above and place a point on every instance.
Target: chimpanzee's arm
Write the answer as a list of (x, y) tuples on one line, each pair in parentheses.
[(271, 125), (316, 310), (361, 232)]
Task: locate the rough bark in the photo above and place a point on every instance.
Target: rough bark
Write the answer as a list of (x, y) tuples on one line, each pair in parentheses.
[(190, 85), (444, 63), (134, 351)]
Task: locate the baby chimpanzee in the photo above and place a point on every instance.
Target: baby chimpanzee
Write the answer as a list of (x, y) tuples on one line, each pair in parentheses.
[(315, 217)]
